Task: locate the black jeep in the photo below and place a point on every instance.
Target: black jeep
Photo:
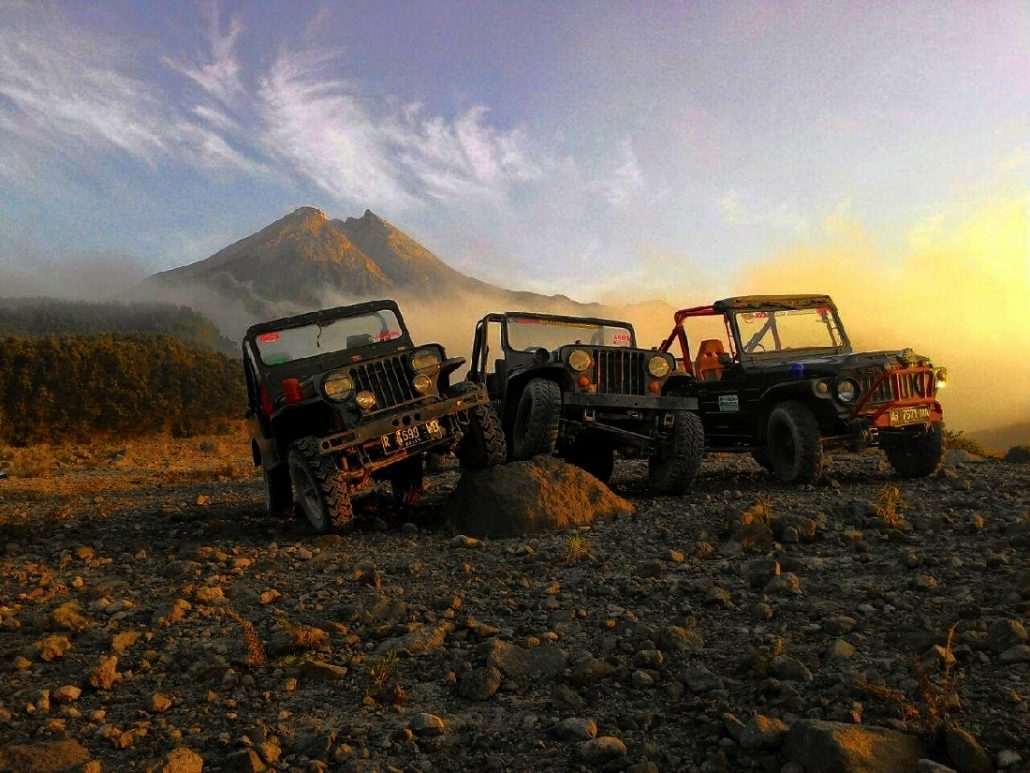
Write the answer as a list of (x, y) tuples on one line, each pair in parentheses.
[(775, 375), (580, 387), (341, 397)]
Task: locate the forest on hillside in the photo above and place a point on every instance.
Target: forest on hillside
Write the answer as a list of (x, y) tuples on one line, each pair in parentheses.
[(59, 388), (36, 317)]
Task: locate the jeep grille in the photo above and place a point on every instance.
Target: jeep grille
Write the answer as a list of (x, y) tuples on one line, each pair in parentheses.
[(901, 386), (619, 372), (387, 379)]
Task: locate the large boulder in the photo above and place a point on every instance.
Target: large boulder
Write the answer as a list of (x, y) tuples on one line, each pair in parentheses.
[(44, 757), (543, 494), (837, 747)]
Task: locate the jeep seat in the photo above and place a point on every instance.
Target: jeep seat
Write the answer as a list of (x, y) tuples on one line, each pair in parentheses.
[(707, 366), (495, 381)]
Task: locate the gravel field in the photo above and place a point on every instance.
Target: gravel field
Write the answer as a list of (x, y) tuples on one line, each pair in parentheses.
[(151, 617)]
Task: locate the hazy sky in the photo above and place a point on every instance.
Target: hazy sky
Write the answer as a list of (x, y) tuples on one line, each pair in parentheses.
[(568, 147)]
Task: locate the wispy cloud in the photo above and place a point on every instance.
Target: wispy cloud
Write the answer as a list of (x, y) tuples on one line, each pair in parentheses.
[(399, 156), (74, 97)]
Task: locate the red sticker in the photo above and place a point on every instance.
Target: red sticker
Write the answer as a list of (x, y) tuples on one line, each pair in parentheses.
[(387, 335), (268, 337)]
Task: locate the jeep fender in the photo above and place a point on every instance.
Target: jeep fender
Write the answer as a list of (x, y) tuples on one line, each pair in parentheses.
[(556, 372), (802, 391)]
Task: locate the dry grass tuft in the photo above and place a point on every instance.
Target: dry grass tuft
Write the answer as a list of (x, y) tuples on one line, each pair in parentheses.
[(577, 548), (256, 655), (889, 504), (382, 672)]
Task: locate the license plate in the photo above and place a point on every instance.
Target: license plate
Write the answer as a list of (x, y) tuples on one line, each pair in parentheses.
[(412, 436), (901, 417)]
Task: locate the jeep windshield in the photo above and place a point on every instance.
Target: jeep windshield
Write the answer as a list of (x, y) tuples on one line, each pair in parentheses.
[(782, 330), (528, 333), (298, 343)]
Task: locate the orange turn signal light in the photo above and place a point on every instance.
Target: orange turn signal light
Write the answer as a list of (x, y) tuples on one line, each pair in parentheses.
[(583, 381), (654, 387)]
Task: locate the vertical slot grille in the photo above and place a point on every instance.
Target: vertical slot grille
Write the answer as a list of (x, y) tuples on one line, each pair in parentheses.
[(619, 372), (387, 379), (901, 386)]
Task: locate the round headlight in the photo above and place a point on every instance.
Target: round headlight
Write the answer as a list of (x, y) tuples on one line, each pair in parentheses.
[(338, 386), (580, 360), (426, 361), (941, 376), (847, 390), (422, 384), (658, 367), (365, 400)]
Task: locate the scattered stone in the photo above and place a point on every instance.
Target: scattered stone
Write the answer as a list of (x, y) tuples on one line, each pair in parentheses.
[(839, 650), (479, 684), (320, 671), (965, 752), (1002, 634), (179, 760), (929, 766), (105, 674), (520, 498), (160, 703), (518, 663), (792, 669), (1020, 653), (44, 756), (598, 751), (69, 616), (576, 729), (68, 693), (424, 724), (829, 747), (52, 647), (762, 732), (787, 584)]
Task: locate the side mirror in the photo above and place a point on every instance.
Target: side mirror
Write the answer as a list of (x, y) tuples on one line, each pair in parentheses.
[(725, 359)]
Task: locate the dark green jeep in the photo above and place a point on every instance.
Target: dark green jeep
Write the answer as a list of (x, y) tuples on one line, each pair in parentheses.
[(580, 387), (341, 397)]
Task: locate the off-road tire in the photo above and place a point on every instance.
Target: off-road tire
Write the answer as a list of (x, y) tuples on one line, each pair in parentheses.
[(484, 444), (918, 456), (794, 443), (278, 491), (406, 479), (318, 488), (597, 458), (536, 419), (672, 471), (762, 458)]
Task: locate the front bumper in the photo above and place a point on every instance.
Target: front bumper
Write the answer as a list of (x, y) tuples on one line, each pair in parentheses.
[(630, 402), (361, 452)]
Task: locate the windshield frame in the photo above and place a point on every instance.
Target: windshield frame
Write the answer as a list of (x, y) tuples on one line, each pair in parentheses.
[(843, 347), (324, 318), (556, 320)]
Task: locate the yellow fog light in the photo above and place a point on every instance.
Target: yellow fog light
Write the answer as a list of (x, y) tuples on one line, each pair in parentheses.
[(847, 390), (422, 384), (580, 360), (338, 386), (658, 367), (365, 400), (941, 376)]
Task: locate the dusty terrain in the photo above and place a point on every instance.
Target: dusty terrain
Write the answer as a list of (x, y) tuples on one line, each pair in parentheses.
[(147, 605)]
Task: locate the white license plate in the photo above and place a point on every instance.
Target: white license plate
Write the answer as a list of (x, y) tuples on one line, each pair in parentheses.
[(901, 417), (412, 436)]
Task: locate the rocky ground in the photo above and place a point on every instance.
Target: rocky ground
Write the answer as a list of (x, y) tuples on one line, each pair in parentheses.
[(152, 618)]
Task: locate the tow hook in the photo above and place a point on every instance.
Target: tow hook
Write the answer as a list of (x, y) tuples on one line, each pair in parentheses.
[(668, 420), (589, 415)]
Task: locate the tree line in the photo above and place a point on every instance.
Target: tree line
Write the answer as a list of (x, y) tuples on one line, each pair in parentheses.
[(35, 317), (73, 387)]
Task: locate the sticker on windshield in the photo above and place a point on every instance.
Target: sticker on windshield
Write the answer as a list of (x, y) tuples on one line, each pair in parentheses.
[(729, 403), (621, 338), (266, 338), (388, 335)]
